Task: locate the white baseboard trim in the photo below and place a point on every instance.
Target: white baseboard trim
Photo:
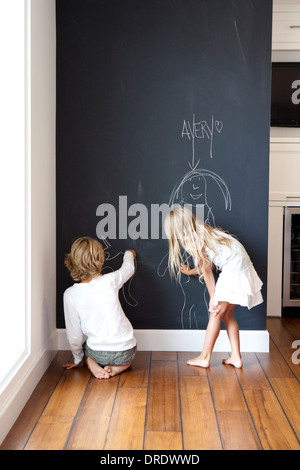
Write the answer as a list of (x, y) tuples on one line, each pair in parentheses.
[(188, 340)]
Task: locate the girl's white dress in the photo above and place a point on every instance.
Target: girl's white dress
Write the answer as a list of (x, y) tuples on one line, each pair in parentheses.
[(238, 282)]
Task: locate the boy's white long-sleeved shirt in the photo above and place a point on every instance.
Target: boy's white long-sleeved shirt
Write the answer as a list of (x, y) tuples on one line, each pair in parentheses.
[(93, 310)]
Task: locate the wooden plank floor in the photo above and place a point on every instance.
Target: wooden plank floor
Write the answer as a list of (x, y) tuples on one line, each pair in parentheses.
[(160, 403)]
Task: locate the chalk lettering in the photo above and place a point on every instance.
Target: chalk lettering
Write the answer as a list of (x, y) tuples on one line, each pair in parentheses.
[(200, 130)]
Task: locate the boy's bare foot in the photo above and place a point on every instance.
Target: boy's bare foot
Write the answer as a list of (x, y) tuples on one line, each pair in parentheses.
[(114, 370), (96, 370), (199, 362), (234, 361)]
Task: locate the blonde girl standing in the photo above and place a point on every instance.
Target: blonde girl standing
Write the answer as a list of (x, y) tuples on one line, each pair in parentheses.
[(237, 284)]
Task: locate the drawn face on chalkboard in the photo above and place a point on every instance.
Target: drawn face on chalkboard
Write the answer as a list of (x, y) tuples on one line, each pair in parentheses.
[(193, 190), (194, 187)]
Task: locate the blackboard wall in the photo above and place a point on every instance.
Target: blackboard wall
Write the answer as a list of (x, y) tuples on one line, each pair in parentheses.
[(162, 101)]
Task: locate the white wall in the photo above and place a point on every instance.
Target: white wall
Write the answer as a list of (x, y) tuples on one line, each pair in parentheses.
[(43, 210), (41, 21)]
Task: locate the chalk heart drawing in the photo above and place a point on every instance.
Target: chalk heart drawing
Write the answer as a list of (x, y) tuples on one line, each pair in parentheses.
[(219, 126)]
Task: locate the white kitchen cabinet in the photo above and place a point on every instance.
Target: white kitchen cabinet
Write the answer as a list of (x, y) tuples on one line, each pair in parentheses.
[(286, 25), (284, 191)]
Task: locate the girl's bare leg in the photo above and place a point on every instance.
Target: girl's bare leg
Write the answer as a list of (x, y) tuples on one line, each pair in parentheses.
[(212, 332), (234, 338)]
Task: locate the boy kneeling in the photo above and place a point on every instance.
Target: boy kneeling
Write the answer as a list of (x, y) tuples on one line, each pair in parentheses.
[(92, 309)]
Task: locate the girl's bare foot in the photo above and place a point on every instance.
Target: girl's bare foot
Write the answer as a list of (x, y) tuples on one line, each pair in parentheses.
[(114, 370), (234, 361), (199, 362), (96, 370)]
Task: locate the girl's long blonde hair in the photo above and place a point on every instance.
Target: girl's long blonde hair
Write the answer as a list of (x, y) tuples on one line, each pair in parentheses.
[(185, 231)]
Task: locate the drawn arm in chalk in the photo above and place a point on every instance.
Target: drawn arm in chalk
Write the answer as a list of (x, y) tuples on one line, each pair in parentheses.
[(163, 266), (126, 289), (188, 317)]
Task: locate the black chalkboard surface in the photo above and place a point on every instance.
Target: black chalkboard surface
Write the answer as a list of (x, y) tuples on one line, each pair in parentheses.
[(162, 102)]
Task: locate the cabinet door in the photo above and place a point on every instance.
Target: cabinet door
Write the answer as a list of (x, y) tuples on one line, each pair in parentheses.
[(275, 251), (286, 26), (284, 172)]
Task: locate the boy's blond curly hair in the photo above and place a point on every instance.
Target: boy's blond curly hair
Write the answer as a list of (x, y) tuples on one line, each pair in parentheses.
[(85, 259)]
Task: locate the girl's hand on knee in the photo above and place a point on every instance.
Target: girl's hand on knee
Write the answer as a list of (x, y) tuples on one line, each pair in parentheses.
[(220, 309), (214, 311), (213, 308)]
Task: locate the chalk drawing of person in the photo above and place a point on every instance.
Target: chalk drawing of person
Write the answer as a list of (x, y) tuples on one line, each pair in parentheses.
[(192, 189)]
